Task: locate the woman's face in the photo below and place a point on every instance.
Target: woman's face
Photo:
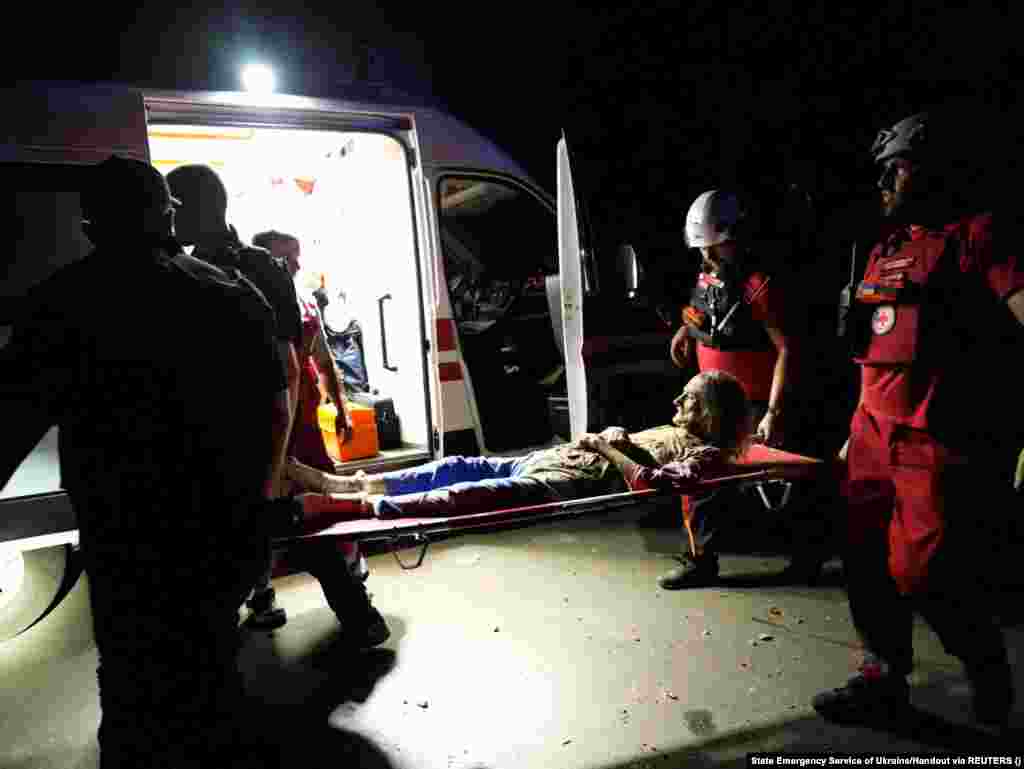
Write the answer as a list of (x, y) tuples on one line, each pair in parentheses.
[(688, 407)]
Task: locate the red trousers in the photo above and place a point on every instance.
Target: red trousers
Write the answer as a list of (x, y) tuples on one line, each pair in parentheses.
[(918, 518), (903, 481)]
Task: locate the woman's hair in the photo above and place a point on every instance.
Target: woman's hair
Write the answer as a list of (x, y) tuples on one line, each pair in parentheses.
[(266, 239), (724, 412)]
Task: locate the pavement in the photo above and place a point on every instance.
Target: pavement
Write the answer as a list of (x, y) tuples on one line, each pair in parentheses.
[(543, 647)]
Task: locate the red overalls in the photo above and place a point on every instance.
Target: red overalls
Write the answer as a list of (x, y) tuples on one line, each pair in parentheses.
[(903, 480)]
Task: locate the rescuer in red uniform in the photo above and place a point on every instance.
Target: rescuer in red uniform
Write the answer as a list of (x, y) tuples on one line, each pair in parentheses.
[(938, 300), (739, 320)]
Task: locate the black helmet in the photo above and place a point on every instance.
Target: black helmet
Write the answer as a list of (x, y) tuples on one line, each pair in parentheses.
[(911, 135), (122, 187)]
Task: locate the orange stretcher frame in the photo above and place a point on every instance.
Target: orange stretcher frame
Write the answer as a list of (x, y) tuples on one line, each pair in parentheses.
[(758, 466)]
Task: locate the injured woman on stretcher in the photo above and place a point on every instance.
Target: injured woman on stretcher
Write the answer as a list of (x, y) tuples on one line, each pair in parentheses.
[(710, 428)]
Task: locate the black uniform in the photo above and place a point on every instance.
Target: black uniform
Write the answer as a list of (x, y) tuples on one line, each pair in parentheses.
[(345, 593), (269, 276), (118, 351)]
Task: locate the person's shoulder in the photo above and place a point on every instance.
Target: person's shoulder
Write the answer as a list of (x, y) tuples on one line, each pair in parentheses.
[(260, 262), (757, 278), (974, 232), (200, 269), (979, 226), (255, 255), (763, 287), (227, 281)]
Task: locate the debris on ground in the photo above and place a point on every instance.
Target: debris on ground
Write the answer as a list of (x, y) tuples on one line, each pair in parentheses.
[(744, 665), (707, 634), (496, 628), (752, 642), (801, 621), (566, 742), (423, 704), (672, 696), (765, 637), (775, 611)]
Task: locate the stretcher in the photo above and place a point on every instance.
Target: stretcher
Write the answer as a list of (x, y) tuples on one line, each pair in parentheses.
[(770, 471)]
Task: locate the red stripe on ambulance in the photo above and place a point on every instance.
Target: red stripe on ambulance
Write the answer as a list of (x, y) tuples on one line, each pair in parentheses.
[(450, 372), (446, 335)]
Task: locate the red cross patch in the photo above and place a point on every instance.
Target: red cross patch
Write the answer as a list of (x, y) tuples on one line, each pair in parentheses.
[(883, 319)]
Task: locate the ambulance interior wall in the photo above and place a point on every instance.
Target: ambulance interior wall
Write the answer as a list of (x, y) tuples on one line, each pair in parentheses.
[(44, 233), (346, 197)]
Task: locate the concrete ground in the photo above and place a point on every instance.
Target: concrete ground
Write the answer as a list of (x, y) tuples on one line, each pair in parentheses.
[(546, 647)]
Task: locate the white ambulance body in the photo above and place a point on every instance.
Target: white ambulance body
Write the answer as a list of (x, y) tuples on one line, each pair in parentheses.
[(429, 239)]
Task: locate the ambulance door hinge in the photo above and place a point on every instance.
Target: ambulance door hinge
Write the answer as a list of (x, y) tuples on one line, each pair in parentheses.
[(426, 345), (437, 441)]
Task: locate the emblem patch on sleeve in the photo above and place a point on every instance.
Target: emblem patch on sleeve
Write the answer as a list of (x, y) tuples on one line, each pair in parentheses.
[(693, 317), (883, 319)]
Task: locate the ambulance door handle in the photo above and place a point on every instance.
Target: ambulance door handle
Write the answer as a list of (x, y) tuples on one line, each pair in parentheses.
[(383, 333)]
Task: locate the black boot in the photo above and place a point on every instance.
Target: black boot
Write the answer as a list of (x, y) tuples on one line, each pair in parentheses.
[(361, 624), (693, 571), (867, 696)]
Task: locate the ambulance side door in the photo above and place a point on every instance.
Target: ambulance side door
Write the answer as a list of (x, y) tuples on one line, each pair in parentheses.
[(571, 270)]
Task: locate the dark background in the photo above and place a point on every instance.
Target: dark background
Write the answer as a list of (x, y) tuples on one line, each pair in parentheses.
[(658, 102)]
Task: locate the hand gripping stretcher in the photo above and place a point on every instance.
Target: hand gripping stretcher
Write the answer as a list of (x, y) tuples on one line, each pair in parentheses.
[(764, 468)]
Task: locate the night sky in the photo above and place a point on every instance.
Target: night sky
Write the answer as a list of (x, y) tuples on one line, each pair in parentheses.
[(659, 102)]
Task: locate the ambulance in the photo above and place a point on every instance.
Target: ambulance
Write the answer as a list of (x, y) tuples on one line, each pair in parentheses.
[(435, 251)]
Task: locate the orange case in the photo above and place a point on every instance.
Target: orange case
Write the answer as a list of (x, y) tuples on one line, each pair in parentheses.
[(363, 443)]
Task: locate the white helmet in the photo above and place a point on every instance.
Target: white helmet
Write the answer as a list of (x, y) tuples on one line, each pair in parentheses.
[(712, 219)]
